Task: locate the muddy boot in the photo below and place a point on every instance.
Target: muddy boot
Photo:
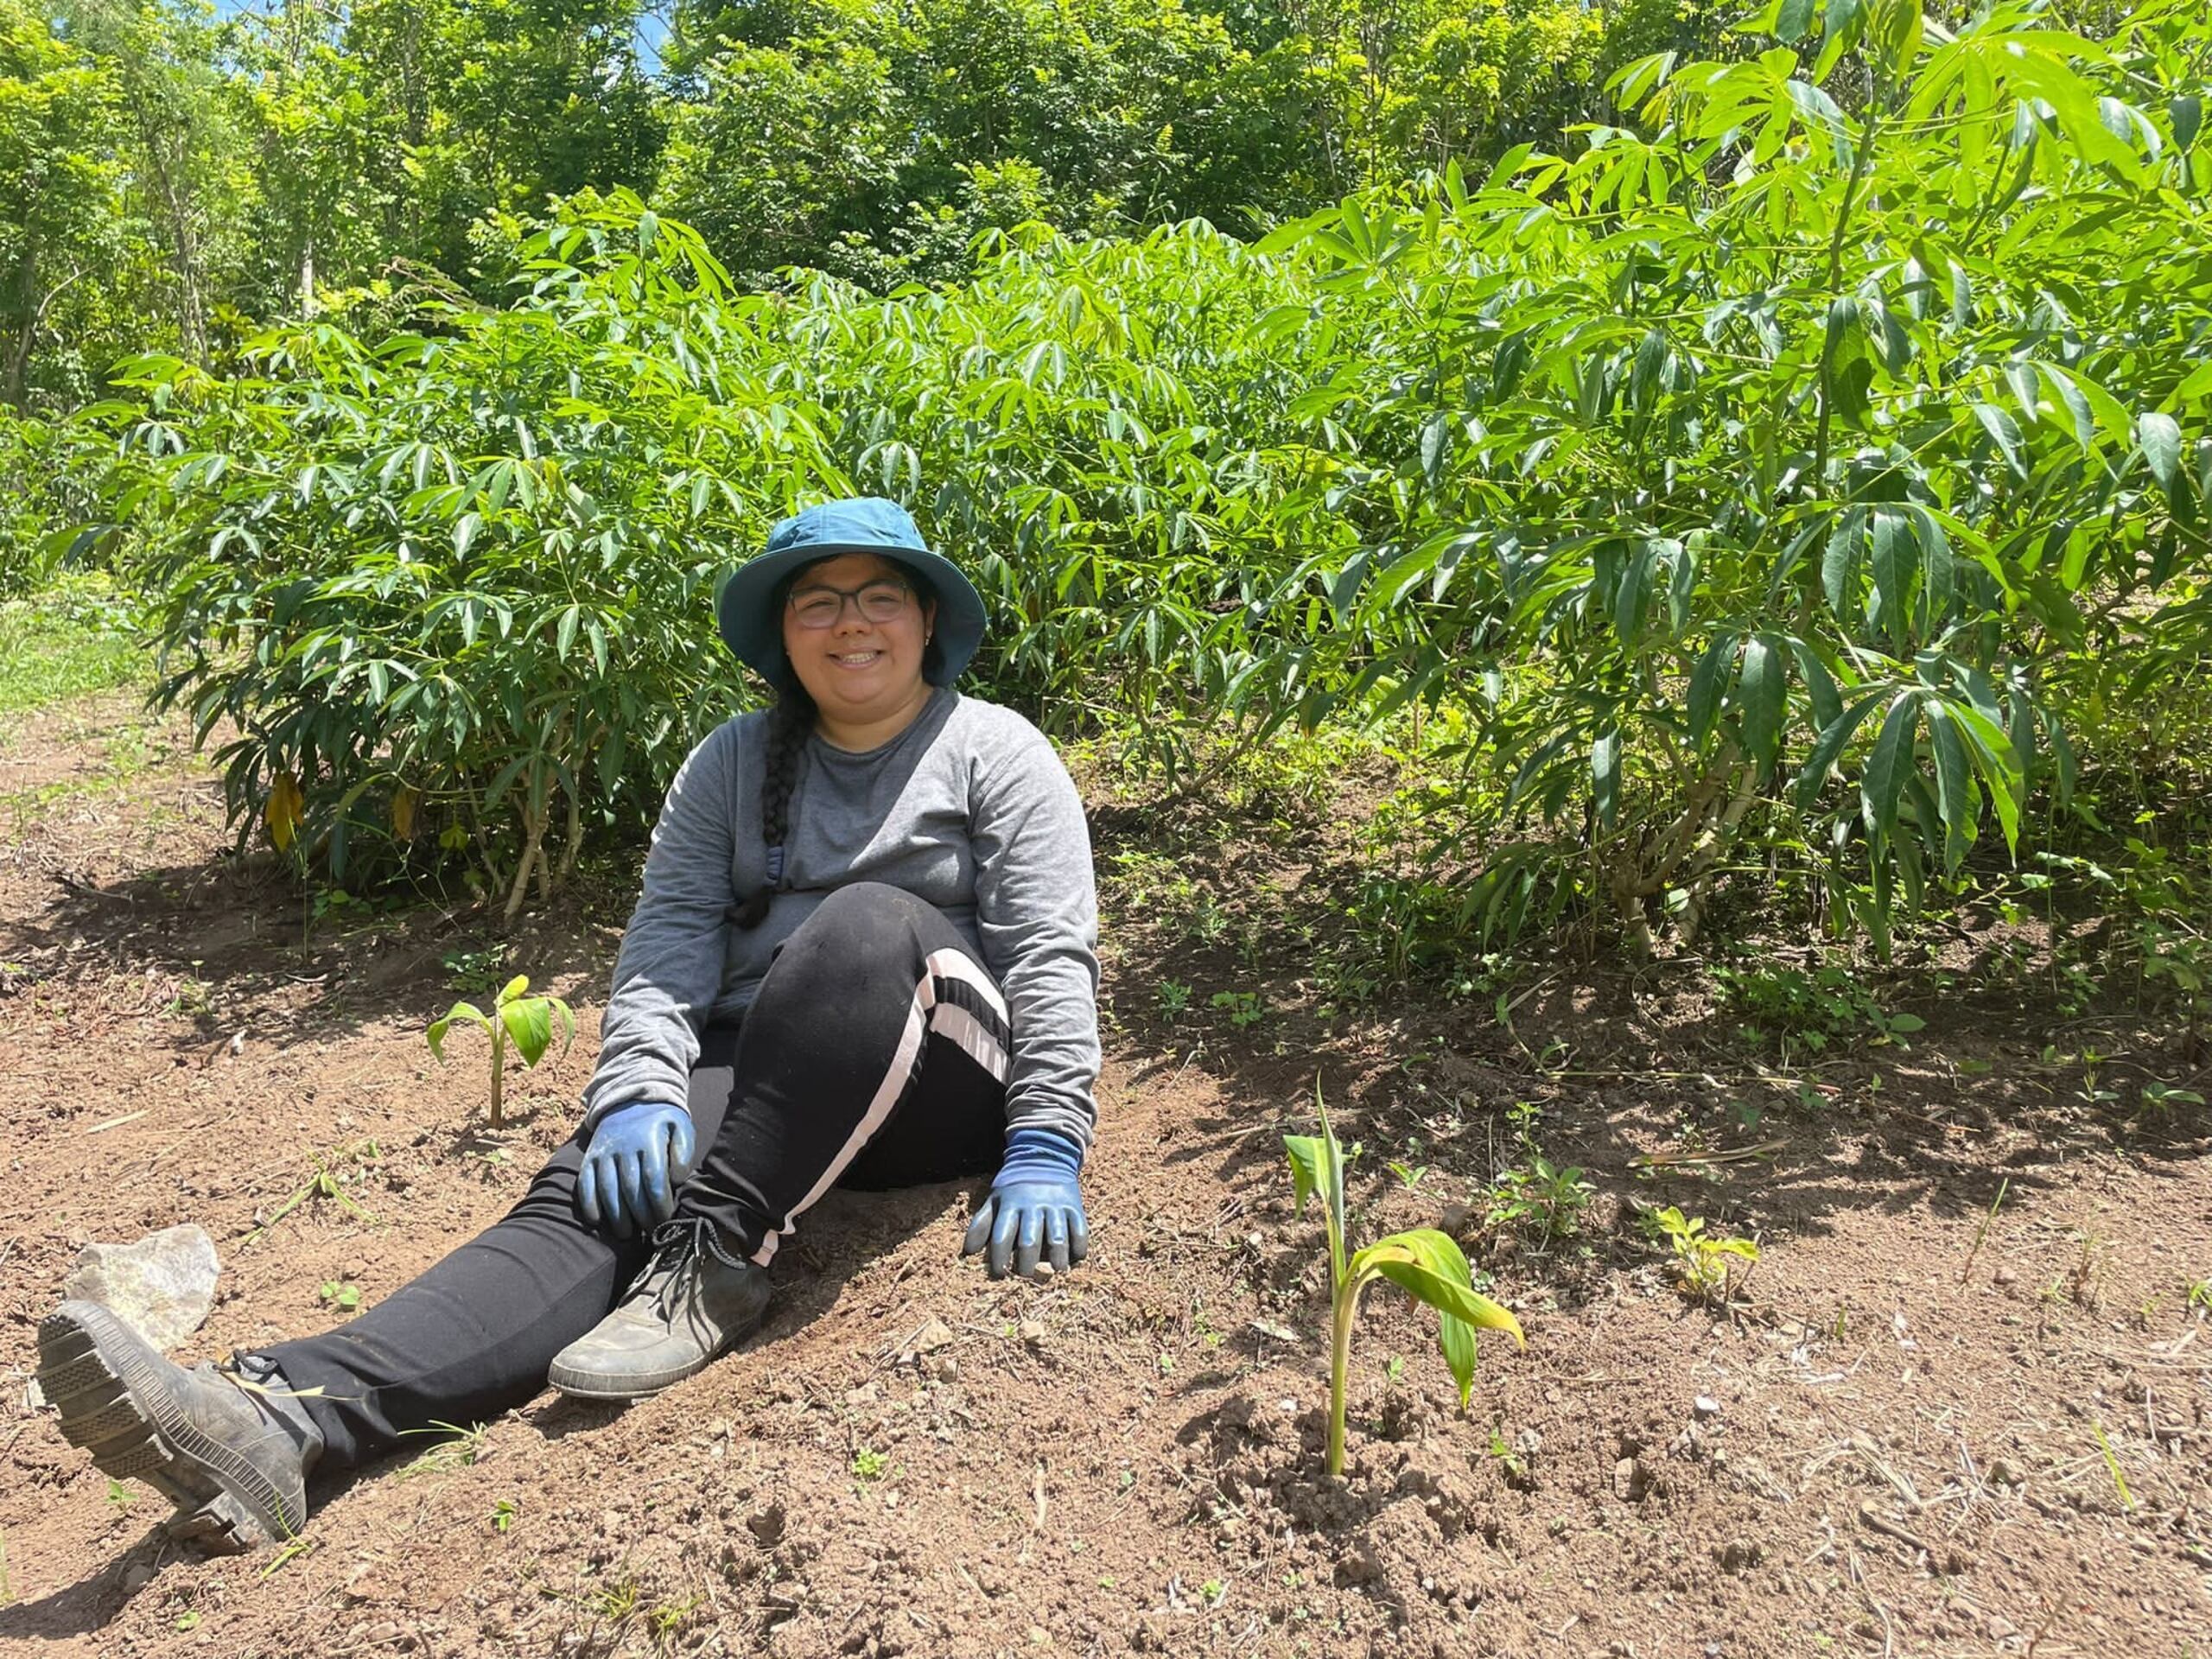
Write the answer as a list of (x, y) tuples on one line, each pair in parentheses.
[(234, 1459), (693, 1300)]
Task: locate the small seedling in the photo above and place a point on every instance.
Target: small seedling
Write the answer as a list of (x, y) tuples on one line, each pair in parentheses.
[(1707, 1264), (1174, 996), (2111, 1463), (1408, 1174), (1425, 1263), (345, 1298), (119, 1495), (2159, 1097), (188, 1621), (870, 1464), (503, 1515), (459, 1448), (333, 1171), (1982, 1231), (528, 1019), (1243, 1008), (1547, 1200), (291, 1552)]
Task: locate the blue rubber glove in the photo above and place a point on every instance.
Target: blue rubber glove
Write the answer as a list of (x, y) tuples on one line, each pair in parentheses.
[(636, 1158), (1035, 1209)]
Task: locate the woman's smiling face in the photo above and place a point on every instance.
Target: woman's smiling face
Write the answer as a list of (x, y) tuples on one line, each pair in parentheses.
[(857, 652)]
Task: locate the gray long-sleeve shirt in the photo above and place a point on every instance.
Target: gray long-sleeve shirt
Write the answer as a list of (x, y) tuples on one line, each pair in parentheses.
[(969, 807)]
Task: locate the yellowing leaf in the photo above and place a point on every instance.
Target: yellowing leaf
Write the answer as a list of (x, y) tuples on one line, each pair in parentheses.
[(284, 810)]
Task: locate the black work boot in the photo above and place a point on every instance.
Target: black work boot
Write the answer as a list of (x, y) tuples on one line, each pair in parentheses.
[(233, 1458), (693, 1300)]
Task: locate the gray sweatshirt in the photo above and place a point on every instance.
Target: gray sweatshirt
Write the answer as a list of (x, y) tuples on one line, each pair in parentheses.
[(969, 807)]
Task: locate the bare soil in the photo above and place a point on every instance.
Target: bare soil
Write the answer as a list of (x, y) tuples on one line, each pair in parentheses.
[(1884, 1440)]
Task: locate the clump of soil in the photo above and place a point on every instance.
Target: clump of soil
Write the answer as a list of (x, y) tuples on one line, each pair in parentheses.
[(1893, 1437)]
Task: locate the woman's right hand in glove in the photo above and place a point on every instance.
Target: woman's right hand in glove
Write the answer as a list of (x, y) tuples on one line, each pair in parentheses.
[(636, 1159)]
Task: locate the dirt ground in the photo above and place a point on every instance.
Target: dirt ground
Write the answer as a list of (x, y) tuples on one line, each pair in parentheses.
[(1917, 1426)]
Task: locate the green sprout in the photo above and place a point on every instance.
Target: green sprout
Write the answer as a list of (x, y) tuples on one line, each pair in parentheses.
[(528, 1019), (1424, 1262), (1705, 1263)]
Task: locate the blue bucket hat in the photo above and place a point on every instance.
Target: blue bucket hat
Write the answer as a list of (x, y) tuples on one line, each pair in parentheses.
[(746, 606)]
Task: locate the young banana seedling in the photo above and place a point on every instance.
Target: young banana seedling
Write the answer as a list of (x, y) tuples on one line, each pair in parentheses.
[(1425, 1263), (528, 1019)]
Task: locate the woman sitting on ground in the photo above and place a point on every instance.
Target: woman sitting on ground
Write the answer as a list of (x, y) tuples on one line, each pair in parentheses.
[(865, 954)]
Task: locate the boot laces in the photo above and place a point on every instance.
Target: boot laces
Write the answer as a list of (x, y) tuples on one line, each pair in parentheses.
[(677, 1245)]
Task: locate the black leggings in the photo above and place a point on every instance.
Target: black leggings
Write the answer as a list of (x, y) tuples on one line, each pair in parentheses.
[(873, 1056)]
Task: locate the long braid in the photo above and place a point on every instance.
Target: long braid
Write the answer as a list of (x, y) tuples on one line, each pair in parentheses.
[(790, 723)]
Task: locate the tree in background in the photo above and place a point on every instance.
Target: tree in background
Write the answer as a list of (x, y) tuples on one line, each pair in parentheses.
[(474, 108), (60, 207)]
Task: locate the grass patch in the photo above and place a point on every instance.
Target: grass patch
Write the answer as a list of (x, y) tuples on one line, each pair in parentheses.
[(64, 643)]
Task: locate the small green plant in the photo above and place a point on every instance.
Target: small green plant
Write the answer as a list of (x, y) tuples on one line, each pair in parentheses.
[(2200, 1296), (1425, 1263), (1243, 1006), (457, 1448), (503, 1515), (188, 1621), (119, 1495), (2162, 1097), (528, 1019), (1705, 1263), (870, 1464), (1543, 1199), (293, 1549), (1982, 1231), (341, 1167), (2111, 1463), (473, 972), (1174, 996), (1505, 1456), (1408, 1174), (334, 1293)]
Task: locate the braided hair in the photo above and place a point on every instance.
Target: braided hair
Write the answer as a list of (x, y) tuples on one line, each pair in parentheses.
[(790, 722)]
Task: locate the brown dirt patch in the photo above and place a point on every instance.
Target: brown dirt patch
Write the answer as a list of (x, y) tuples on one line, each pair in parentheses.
[(1872, 1451)]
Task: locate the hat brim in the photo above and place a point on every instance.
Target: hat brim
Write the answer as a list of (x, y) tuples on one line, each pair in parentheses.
[(746, 610)]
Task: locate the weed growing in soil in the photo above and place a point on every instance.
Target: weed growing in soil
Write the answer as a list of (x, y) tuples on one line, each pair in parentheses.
[(1542, 1200), (1705, 1263), (503, 1515), (334, 1293), (1425, 1263), (335, 1170), (528, 1019), (460, 1450)]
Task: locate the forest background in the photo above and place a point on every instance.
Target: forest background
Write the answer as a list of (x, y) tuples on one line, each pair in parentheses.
[(1686, 446)]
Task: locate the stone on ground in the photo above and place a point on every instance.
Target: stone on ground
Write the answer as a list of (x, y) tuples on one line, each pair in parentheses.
[(163, 1284)]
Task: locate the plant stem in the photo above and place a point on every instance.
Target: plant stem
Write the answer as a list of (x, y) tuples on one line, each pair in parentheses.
[(498, 1065), (1347, 1300)]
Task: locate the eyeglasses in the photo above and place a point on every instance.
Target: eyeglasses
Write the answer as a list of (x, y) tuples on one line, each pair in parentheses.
[(877, 602)]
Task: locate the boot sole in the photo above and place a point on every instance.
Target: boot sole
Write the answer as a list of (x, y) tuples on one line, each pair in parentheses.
[(115, 1406)]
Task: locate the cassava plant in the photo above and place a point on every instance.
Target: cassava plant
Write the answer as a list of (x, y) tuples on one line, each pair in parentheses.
[(1424, 1262), (528, 1019)]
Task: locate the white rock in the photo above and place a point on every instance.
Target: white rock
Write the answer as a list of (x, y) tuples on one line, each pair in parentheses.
[(162, 1286)]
